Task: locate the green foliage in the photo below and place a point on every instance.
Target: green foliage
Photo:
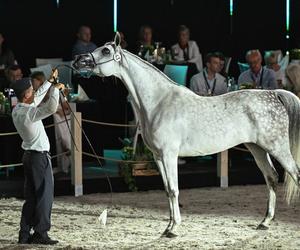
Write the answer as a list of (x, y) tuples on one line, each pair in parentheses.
[(142, 154)]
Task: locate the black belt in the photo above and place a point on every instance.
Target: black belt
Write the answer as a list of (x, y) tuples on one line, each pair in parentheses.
[(37, 152)]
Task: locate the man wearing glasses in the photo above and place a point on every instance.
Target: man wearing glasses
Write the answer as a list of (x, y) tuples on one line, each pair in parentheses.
[(259, 77)]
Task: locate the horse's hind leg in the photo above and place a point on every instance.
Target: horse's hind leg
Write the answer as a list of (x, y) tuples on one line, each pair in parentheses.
[(265, 164)]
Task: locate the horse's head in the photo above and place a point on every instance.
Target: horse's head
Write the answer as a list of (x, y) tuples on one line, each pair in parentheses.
[(103, 61)]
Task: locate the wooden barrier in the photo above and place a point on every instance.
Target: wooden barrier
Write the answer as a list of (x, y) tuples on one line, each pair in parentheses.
[(222, 168), (76, 149)]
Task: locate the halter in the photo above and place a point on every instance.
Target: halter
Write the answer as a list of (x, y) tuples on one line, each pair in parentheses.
[(116, 56)]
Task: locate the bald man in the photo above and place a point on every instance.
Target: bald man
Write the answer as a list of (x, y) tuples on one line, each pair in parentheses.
[(83, 44), (258, 76)]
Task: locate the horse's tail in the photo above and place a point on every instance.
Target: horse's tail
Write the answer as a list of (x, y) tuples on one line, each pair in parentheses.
[(292, 104)]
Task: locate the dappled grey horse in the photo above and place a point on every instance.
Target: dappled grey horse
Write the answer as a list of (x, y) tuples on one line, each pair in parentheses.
[(176, 122)]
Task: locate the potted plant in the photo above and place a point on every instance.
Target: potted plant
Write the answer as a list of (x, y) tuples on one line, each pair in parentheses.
[(139, 163)]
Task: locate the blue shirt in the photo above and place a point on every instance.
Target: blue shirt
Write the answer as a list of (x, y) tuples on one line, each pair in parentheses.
[(83, 48), (265, 79)]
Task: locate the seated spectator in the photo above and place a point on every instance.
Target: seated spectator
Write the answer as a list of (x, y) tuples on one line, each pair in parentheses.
[(12, 74), (272, 63), (83, 44), (293, 75), (145, 44), (209, 82), (7, 57), (186, 50), (256, 75)]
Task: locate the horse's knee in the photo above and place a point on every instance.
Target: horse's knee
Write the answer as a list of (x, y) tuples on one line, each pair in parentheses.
[(173, 193)]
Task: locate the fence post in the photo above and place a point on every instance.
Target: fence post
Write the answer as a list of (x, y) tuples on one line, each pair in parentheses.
[(76, 150), (222, 165)]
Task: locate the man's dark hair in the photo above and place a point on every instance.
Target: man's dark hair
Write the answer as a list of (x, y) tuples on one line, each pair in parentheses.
[(210, 55), (38, 75), (220, 55)]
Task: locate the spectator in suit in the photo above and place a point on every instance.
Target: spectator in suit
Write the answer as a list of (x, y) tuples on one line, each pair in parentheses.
[(83, 44), (209, 82), (258, 76)]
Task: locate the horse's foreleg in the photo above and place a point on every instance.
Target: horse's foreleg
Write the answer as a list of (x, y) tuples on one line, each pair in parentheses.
[(171, 172), (265, 164), (164, 178)]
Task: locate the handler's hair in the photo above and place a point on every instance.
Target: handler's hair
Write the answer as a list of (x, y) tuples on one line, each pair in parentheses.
[(39, 75)]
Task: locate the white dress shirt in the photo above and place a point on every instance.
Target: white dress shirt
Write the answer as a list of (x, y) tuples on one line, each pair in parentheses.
[(27, 119), (216, 86)]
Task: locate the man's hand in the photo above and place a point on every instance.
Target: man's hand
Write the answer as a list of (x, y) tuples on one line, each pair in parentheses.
[(54, 75), (60, 86)]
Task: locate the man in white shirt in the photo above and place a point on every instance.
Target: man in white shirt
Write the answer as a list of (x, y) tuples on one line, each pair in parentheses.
[(209, 82), (38, 186)]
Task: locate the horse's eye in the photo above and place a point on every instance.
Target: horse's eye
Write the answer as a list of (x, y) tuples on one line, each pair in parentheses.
[(105, 51)]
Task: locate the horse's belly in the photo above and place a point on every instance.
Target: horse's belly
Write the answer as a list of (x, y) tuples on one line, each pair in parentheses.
[(200, 144)]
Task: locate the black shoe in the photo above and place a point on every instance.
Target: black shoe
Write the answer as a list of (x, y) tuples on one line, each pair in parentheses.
[(25, 239), (44, 240)]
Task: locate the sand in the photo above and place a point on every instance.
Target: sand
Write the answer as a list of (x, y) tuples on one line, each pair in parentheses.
[(212, 218)]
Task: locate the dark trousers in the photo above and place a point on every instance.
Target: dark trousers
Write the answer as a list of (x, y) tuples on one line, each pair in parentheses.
[(38, 193)]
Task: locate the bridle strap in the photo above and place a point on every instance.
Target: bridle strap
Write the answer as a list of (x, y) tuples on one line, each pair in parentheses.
[(94, 61)]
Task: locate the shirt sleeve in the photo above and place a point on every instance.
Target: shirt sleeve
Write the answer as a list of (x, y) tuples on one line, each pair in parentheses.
[(195, 53), (46, 109), (41, 92)]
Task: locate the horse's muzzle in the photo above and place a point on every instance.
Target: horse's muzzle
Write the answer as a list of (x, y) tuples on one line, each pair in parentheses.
[(83, 61)]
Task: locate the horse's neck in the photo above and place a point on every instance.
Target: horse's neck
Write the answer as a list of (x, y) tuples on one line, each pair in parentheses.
[(146, 84)]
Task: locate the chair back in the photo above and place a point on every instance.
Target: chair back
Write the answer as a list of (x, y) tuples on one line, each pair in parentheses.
[(177, 73), (284, 62), (227, 64), (112, 154), (44, 61), (243, 67), (46, 69)]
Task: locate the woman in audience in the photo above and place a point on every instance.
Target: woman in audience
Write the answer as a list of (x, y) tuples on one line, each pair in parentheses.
[(186, 50)]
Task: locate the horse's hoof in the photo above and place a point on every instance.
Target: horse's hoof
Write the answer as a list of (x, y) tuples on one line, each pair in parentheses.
[(262, 227), (170, 235), (165, 233)]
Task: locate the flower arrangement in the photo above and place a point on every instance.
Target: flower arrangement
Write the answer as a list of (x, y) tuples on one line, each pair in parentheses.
[(142, 156), (2, 102), (246, 85)]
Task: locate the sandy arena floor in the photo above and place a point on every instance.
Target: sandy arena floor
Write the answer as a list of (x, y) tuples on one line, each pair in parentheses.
[(212, 218)]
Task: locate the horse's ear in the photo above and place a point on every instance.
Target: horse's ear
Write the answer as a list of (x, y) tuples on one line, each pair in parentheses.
[(117, 39)]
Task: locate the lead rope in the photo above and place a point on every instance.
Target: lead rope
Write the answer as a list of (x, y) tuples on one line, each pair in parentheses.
[(103, 216)]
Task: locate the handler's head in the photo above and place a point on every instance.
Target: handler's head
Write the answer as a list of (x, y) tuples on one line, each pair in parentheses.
[(23, 90)]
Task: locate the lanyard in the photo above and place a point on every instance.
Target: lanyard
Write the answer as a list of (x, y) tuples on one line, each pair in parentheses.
[(209, 90), (260, 80)]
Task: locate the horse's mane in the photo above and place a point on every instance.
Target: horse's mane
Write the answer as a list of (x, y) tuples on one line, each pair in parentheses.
[(149, 65)]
